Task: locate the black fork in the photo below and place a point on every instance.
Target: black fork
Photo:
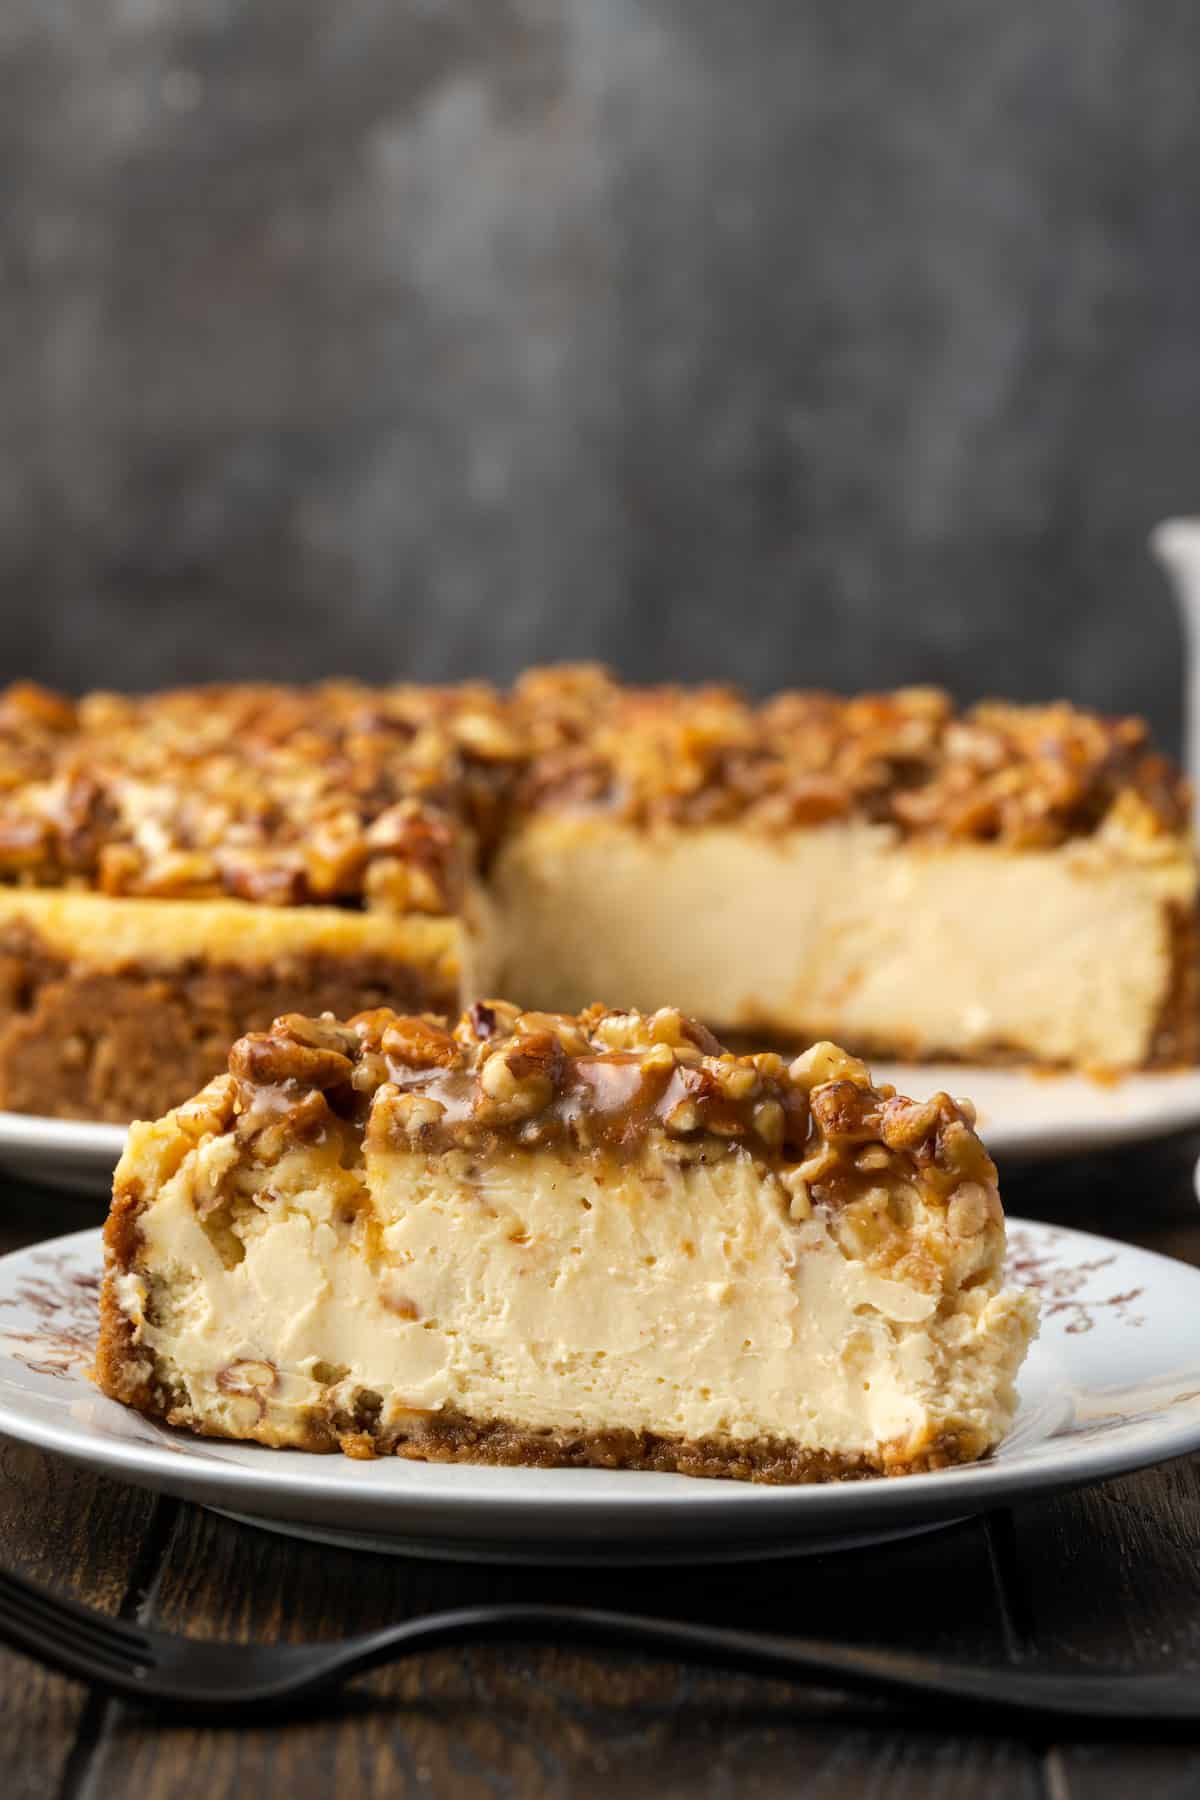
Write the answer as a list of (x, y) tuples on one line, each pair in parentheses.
[(161, 1668)]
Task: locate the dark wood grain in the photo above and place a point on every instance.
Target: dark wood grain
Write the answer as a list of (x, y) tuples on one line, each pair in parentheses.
[(94, 1539), (544, 1722), (1108, 1577), (68, 1529)]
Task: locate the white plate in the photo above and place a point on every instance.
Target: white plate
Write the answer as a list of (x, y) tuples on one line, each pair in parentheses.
[(1020, 1115), (1113, 1383)]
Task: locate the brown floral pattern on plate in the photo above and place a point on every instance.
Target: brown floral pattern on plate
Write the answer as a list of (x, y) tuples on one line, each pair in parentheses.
[(64, 1301), (1061, 1285)]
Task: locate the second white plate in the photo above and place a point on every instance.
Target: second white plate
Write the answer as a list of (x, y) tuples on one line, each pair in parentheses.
[(60, 1153), (1031, 1114)]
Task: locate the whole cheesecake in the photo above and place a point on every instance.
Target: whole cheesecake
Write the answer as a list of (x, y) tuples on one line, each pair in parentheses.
[(1006, 883), (542, 1239)]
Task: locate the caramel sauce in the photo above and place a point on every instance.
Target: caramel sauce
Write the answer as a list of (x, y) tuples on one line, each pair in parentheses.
[(605, 1085)]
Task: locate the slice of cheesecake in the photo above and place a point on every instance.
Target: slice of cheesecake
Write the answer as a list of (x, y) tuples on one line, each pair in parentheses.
[(563, 1240)]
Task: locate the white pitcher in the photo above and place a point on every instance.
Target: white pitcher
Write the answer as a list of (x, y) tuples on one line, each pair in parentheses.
[(1176, 543)]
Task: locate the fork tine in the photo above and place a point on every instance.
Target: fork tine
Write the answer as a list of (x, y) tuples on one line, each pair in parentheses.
[(21, 1599), (61, 1603), (24, 1597), (59, 1644), (37, 1630)]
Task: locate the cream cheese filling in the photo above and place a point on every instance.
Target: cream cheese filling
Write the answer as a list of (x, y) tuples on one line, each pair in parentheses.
[(842, 931), (554, 1294)]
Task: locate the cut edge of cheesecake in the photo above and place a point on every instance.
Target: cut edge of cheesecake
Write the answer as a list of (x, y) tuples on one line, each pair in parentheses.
[(1079, 955), (116, 1006), (543, 1239)]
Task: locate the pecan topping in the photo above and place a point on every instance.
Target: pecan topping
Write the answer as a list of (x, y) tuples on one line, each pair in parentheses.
[(387, 797), (419, 1042), (606, 1082), (1026, 776)]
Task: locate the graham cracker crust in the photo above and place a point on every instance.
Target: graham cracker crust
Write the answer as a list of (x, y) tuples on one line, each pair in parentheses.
[(1176, 1041), (454, 1437), (137, 1041)]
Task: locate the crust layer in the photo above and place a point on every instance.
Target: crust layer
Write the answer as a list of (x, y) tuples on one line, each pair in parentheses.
[(1176, 1040), (452, 1436)]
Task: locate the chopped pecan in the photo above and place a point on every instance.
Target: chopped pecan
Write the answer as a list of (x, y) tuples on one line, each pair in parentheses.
[(271, 1058), (419, 1042), (846, 1112)]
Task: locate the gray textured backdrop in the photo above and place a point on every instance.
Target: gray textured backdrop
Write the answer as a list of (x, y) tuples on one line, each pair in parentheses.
[(832, 342)]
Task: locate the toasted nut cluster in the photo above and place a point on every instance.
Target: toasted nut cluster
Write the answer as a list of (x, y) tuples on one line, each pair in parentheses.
[(666, 1029), (610, 1081), (385, 797), (1025, 776), (824, 1062), (519, 1077), (270, 1059), (280, 795), (413, 1115)]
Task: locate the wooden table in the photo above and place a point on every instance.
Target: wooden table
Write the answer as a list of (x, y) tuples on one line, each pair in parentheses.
[(1109, 1577)]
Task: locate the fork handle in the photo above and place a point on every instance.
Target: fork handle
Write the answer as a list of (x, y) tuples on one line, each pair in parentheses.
[(1012, 1692)]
